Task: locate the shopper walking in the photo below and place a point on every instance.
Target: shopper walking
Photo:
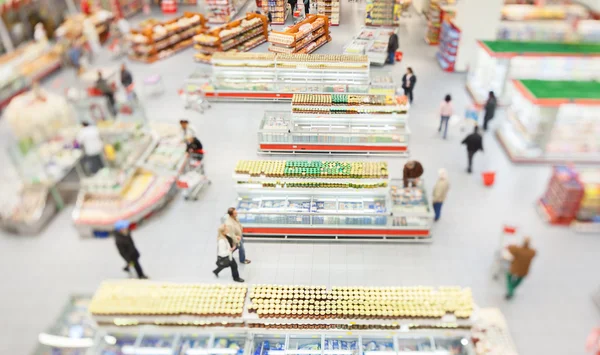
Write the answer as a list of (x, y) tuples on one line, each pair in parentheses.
[(440, 190), (408, 83), (187, 129), (104, 87), (89, 138), (446, 110), (126, 79), (393, 45), (411, 173), (490, 109), (519, 267), (225, 255), (474, 143), (127, 248), (236, 231)]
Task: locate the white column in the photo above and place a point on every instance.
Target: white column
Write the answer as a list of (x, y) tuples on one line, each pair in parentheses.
[(476, 19), (5, 37)]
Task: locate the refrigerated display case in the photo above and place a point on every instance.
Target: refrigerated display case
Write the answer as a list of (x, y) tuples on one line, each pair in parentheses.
[(276, 77), (552, 121), (371, 41), (332, 209), (282, 132), (497, 62)]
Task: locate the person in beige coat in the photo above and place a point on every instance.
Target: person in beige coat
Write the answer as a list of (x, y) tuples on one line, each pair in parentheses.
[(236, 232), (440, 190)]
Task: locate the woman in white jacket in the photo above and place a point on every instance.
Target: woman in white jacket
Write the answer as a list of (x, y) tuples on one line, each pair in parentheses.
[(224, 255)]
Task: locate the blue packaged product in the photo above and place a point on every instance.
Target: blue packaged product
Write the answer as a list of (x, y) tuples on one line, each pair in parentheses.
[(352, 345), (371, 346), (327, 344), (277, 346), (344, 345), (335, 345)]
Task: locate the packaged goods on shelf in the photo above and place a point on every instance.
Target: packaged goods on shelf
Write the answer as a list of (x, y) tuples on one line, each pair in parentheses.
[(348, 104), (490, 333), (159, 40), (304, 37), (331, 9), (383, 12), (439, 11), (562, 198), (222, 11), (72, 27), (449, 40), (547, 12), (497, 61), (585, 31), (312, 169), (236, 36), (122, 8), (552, 121)]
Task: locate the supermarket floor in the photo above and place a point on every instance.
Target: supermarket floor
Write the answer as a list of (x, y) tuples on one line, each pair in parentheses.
[(551, 314)]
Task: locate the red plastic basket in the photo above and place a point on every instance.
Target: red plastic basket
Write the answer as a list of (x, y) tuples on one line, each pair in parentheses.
[(488, 178), (398, 56)]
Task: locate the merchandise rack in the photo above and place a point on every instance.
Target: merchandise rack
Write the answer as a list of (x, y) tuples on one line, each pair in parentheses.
[(222, 11), (282, 132), (122, 8), (450, 37), (497, 62), (276, 77), (438, 13), (383, 12), (329, 208), (148, 48), (331, 9), (296, 39), (371, 41), (279, 10), (247, 38), (552, 122)]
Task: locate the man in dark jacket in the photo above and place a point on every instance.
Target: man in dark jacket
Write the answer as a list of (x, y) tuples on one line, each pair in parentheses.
[(490, 109), (104, 87), (413, 170), (127, 248), (393, 45), (474, 143)]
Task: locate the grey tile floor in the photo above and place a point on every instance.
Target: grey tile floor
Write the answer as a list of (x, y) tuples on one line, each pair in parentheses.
[(551, 314)]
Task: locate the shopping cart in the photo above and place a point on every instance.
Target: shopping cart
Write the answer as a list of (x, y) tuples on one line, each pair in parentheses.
[(194, 178), (502, 258), (194, 98), (298, 13)]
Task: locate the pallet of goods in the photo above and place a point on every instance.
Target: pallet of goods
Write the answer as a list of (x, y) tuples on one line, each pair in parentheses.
[(159, 40), (439, 10), (304, 37), (237, 36), (223, 11), (331, 9), (561, 201), (383, 12), (449, 40)]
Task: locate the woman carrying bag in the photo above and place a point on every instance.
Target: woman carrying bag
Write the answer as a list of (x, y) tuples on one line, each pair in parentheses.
[(224, 255)]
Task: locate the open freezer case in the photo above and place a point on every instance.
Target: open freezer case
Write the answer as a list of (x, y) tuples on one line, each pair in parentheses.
[(282, 132), (30, 210), (304, 210), (371, 41)]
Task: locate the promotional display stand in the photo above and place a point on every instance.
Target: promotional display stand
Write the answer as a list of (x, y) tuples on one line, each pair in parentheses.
[(439, 11), (160, 40), (497, 62), (222, 11), (552, 122), (237, 36), (449, 40), (331, 200)]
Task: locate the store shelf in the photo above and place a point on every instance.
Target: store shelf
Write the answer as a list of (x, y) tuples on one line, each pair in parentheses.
[(292, 39), (383, 12)]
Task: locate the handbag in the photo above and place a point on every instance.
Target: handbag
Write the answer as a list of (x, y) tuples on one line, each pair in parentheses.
[(223, 261)]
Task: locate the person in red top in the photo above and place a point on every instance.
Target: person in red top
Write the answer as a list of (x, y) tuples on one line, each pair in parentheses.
[(86, 7)]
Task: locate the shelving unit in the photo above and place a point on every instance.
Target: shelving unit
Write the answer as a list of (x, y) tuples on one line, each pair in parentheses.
[(496, 62), (552, 122), (371, 41), (279, 10), (237, 36), (439, 11), (150, 45), (276, 77), (122, 8), (331, 9), (383, 12), (222, 11), (450, 37), (561, 201), (331, 205), (305, 37)]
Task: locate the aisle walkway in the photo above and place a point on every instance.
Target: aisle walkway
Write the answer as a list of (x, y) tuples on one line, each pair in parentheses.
[(551, 313)]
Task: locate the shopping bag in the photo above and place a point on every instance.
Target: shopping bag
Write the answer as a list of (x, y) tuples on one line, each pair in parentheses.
[(454, 120)]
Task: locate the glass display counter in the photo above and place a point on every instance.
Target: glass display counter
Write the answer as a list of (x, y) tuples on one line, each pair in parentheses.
[(282, 132), (379, 213), (498, 62), (552, 122)]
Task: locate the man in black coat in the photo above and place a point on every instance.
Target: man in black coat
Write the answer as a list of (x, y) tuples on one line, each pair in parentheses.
[(393, 45), (127, 248), (474, 143)]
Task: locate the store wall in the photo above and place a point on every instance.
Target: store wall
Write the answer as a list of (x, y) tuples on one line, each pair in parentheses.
[(477, 20)]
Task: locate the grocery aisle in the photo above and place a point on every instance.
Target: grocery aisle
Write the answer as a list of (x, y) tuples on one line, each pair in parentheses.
[(179, 245)]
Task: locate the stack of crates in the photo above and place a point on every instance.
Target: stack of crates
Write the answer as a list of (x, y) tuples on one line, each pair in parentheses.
[(563, 196)]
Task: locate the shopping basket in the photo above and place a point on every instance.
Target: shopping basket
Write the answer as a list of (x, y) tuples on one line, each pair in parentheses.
[(488, 178)]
